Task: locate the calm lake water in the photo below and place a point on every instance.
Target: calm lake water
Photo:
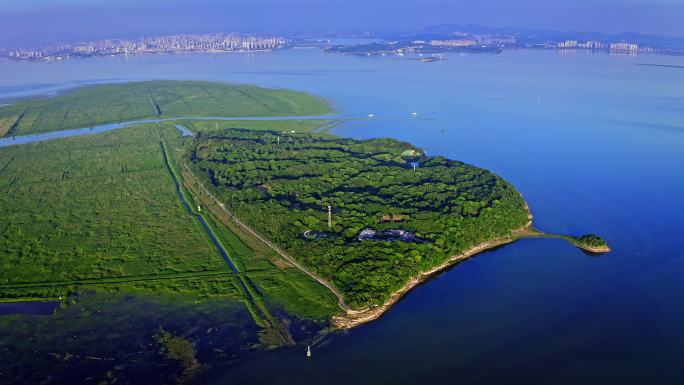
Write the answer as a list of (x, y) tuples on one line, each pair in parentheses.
[(594, 142), (32, 308)]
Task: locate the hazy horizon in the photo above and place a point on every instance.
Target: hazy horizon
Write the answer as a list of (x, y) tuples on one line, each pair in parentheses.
[(40, 22)]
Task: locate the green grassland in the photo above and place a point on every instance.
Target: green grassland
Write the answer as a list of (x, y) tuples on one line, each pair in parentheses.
[(102, 212), (101, 209), (299, 126), (101, 104), (281, 185), (282, 285)]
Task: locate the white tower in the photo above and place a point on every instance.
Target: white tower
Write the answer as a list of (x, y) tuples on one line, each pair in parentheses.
[(329, 217)]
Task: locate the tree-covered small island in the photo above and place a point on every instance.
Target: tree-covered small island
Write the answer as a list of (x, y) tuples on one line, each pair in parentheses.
[(591, 243)]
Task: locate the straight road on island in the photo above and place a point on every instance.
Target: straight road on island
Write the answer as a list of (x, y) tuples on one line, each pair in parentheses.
[(256, 304), (291, 260)]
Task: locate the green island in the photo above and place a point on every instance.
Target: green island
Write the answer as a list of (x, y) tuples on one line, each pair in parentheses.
[(115, 103), (591, 243), (278, 215)]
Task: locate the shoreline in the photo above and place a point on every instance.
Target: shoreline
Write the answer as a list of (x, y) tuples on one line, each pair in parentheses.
[(355, 318), (594, 249)]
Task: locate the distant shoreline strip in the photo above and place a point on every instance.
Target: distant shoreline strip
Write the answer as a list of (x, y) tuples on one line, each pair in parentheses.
[(659, 65)]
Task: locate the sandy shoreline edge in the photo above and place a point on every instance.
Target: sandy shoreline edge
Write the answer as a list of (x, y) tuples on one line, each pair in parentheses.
[(355, 318)]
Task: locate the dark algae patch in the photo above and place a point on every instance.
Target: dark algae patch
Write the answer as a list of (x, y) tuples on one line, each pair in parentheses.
[(122, 339), (180, 350)]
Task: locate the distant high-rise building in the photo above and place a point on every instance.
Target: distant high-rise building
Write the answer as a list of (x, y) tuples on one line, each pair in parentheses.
[(624, 47), (453, 43), (567, 44)]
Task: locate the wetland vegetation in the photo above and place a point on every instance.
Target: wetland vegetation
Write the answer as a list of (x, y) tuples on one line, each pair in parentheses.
[(99, 210), (125, 339), (220, 217), (96, 105)]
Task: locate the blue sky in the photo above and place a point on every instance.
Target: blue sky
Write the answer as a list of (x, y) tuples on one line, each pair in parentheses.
[(29, 22)]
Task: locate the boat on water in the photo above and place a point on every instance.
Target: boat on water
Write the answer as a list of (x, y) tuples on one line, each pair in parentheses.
[(429, 59), (308, 352)]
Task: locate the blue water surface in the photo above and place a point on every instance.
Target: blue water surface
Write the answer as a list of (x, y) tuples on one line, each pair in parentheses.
[(594, 142)]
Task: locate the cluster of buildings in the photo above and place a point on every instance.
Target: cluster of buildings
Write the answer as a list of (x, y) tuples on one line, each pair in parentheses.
[(459, 42), (159, 44), (223, 42), (599, 46), (475, 40), (453, 43)]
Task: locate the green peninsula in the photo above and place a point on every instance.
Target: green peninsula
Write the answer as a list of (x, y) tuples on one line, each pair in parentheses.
[(277, 215), (282, 184)]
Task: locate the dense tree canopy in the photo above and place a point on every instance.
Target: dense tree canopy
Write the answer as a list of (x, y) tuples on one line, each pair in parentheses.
[(281, 184), (591, 240)]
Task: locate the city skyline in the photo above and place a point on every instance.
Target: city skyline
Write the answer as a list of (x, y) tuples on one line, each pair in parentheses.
[(40, 22), (440, 39), (216, 42), (277, 192)]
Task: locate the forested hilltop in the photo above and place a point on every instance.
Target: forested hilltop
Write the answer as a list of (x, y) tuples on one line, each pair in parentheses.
[(394, 211)]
